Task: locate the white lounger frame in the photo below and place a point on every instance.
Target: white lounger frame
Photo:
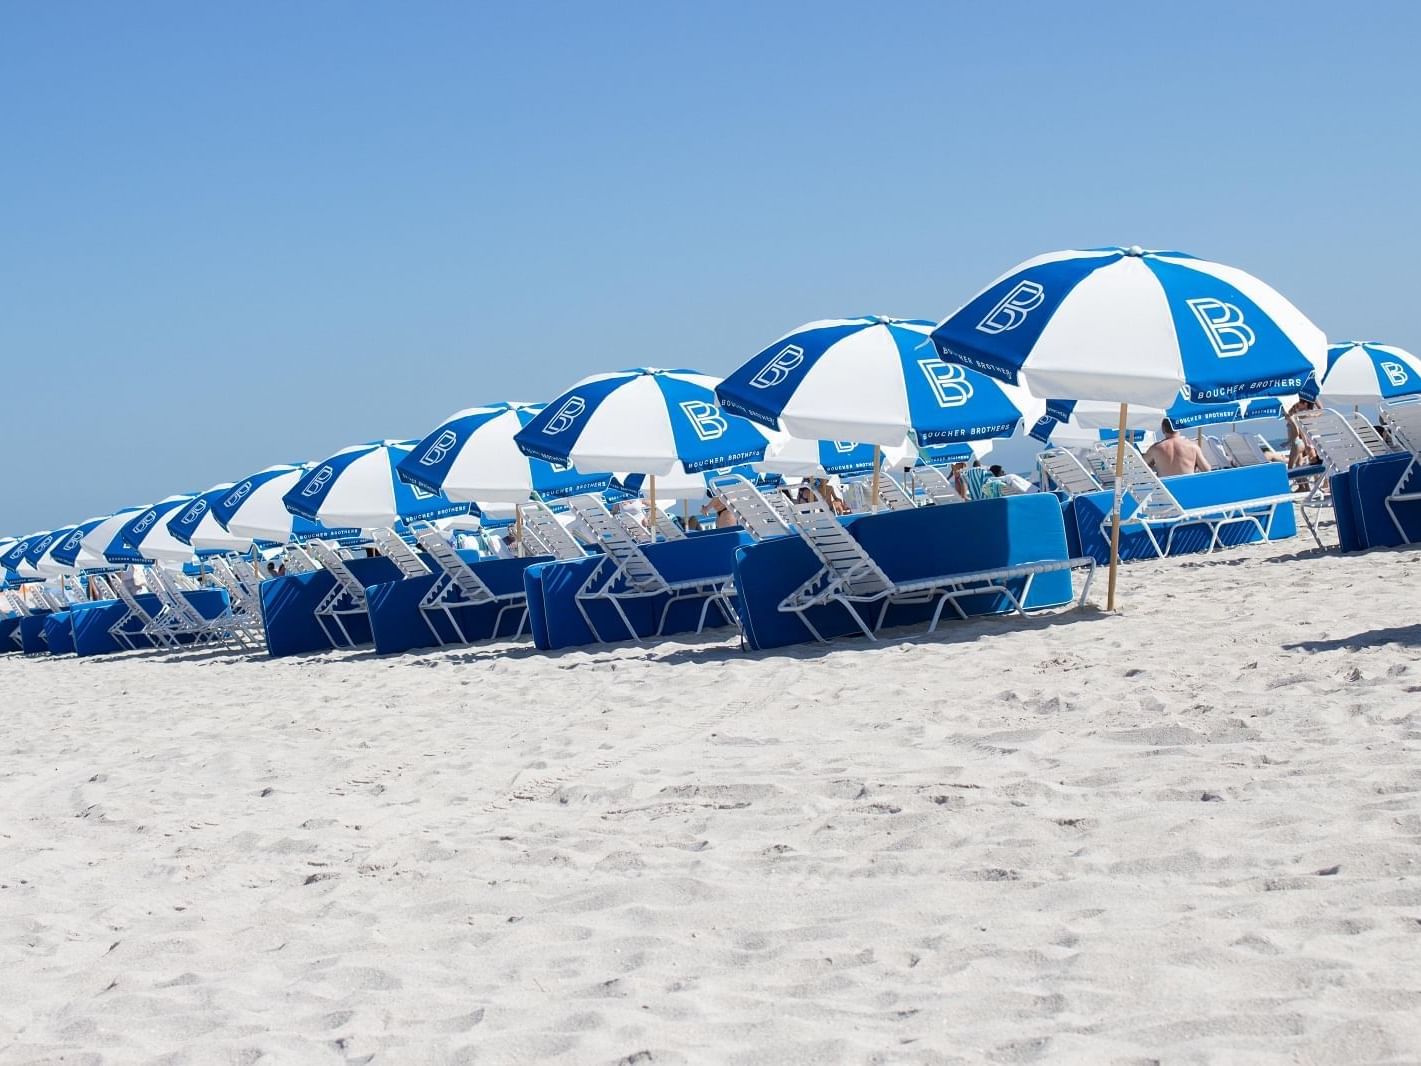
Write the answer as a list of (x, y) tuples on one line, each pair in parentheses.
[(346, 598), (849, 576), (1403, 420), (936, 486), (751, 508), (149, 625), (459, 585), (547, 535), (625, 573), (1337, 444), (1064, 469), (1156, 505)]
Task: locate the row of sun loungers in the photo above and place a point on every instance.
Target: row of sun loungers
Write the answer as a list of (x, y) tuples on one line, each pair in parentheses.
[(626, 569)]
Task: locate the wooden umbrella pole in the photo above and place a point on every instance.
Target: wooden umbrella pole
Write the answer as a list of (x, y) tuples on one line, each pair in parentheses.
[(518, 530), (1115, 509), (873, 488)]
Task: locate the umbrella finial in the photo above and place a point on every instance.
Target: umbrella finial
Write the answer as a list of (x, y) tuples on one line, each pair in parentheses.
[(1134, 250)]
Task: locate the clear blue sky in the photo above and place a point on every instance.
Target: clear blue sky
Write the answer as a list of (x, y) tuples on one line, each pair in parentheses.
[(235, 234)]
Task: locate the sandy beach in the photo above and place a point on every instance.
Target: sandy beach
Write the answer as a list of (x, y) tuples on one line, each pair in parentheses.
[(1187, 834)]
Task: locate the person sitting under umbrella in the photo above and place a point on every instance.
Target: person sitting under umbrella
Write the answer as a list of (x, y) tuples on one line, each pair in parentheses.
[(1175, 454)]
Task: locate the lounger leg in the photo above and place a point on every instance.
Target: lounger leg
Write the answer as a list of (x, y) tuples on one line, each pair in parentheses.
[(804, 617), (859, 619), (942, 601), (622, 614), (1085, 589), (1025, 595)]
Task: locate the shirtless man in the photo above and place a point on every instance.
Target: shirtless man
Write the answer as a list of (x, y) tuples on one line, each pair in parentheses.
[(1175, 454)]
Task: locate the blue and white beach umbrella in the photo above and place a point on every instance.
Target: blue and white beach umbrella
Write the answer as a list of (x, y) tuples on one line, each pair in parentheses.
[(196, 524), (361, 486), (471, 456), (94, 545), (253, 508), (68, 553), (6, 543), (873, 380), (1126, 325), (44, 560), (144, 538), (648, 421), (1363, 372), (18, 559)]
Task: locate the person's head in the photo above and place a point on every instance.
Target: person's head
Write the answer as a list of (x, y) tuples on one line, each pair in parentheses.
[(996, 470), (1166, 427), (957, 468), (976, 463)]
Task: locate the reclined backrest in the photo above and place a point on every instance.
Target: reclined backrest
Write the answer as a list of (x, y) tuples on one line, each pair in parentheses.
[(616, 542), (1403, 421), (1065, 470), (329, 558), (936, 485), (393, 547), (1141, 482), (1215, 454), (438, 548), (1333, 438), (856, 572), (750, 506), (1367, 433), (547, 534), (1243, 450)]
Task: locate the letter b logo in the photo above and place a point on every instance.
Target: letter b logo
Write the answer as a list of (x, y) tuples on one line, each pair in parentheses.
[(1011, 311), (706, 419), (318, 480), (1395, 373), (565, 416), (435, 453), (948, 382), (778, 369), (1223, 324)]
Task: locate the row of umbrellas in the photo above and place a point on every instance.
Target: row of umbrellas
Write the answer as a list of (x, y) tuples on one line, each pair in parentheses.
[(1054, 338)]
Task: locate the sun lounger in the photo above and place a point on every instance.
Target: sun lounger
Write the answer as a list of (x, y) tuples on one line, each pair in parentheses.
[(1064, 469), (245, 599), (346, 598), (849, 576), (751, 508), (393, 547), (1214, 453), (1403, 421), (1339, 447), (1157, 506), (546, 535), (891, 495), (625, 573), (297, 560), (459, 585), (1243, 450), (180, 619), (147, 623), (936, 486), (1367, 434)]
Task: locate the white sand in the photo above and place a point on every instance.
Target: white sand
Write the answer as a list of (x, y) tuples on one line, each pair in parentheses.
[(1066, 840)]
